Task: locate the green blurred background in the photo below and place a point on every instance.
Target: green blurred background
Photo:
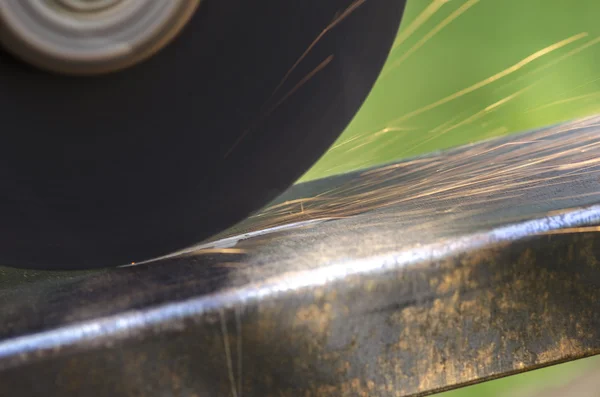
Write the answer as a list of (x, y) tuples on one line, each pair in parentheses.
[(468, 70)]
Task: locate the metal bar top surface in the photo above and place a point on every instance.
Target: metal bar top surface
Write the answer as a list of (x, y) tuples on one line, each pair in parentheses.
[(401, 280)]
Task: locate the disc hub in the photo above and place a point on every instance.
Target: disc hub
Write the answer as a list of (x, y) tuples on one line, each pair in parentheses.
[(90, 36)]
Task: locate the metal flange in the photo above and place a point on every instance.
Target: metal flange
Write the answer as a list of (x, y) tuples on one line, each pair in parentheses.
[(90, 36)]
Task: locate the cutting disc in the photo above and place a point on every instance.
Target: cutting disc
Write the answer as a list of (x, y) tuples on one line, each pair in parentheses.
[(125, 166)]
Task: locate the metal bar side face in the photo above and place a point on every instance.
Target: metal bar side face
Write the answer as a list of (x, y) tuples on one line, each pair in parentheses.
[(403, 280)]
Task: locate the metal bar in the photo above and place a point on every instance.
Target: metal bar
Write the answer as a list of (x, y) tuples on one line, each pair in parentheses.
[(403, 280)]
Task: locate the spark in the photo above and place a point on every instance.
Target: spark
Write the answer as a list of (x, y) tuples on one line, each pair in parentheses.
[(471, 118), (228, 354), (512, 69), (464, 183), (563, 101), (559, 59), (222, 251), (303, 81), (432, 33), (348, 11), (423, 17), (571, 230)]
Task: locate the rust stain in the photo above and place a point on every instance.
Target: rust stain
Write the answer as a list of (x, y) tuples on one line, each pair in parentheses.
[(565, 347), (315, 318)]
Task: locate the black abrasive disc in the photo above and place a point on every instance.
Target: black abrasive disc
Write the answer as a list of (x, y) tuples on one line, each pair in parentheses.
[(119, 168)]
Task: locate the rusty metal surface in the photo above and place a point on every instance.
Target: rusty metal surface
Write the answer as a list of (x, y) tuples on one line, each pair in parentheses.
[(403, 280)]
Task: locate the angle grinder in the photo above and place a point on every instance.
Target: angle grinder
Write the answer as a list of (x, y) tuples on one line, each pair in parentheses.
[(134, 128)]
